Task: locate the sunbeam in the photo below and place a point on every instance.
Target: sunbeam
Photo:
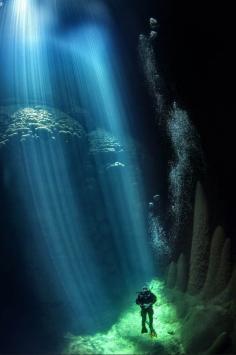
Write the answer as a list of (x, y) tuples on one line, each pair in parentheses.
[(87, 241)]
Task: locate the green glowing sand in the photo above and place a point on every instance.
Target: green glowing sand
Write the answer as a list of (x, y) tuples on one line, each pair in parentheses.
[(124, 337)]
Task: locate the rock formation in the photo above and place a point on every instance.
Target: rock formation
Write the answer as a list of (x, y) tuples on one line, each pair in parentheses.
[(182, 276), (203, 325), (26, 123), (208, 306), (171, 276), (200, 243), (214, 261), (224, 271)]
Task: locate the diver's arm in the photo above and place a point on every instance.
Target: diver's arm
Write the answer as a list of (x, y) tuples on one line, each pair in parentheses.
[(154, 299)]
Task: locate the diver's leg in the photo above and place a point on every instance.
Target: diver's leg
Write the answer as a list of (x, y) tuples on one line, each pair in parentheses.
[(150, 315), (144, 316)]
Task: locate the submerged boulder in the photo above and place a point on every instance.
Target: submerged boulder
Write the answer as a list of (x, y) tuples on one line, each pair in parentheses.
[(37, 122), (105, 145)]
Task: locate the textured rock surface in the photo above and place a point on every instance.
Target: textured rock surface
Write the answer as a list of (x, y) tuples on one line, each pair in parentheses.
[(103, 142), (209, 307), (181, 301), (214, 262), (203, 325), (200, 243), (224, 271), (229, 293), (233, 335), (106, 150), (219, 344), (110, 152), (37, 122), (182, 274), (171, 276)]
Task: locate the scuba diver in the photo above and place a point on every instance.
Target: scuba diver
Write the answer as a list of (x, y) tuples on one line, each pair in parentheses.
[(145, 300)]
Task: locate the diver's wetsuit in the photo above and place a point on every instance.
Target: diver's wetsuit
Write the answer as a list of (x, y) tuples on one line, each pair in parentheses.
[(143, 299)]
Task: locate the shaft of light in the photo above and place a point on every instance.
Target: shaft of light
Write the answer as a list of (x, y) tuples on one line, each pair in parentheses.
[(89, 71), (24, 52)]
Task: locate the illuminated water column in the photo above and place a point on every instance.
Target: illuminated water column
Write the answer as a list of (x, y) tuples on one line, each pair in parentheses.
[(56, 231), (61, 233), (100, 82), (88, 65), (24, 51)]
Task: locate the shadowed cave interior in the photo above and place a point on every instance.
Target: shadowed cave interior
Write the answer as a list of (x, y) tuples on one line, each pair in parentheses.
[(104, 188)]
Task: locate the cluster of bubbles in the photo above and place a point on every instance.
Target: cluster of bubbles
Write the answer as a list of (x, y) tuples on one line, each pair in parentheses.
[(158, 235), (150, 68), (186, 164), (156, 230)]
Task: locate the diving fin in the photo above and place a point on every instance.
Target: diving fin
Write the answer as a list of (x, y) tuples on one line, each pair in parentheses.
[(153, 333)]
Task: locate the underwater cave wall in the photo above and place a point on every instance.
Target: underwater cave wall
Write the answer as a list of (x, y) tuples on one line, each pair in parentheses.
[(204, 287), (201, 273)]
